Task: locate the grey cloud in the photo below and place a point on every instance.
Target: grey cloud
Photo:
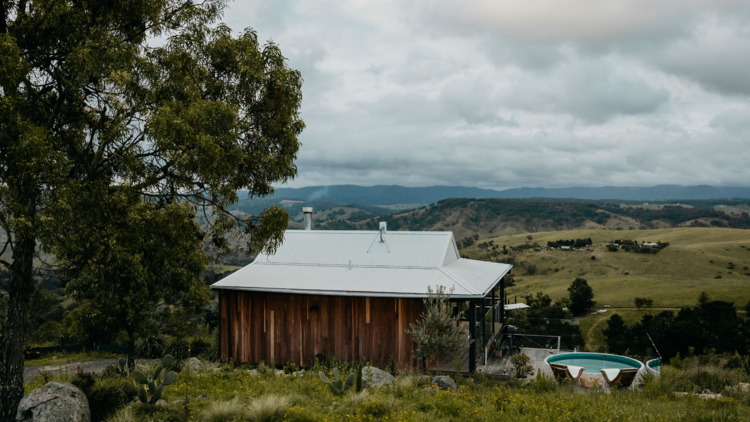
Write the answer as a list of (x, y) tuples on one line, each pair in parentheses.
[(465, 95), (593, 91)]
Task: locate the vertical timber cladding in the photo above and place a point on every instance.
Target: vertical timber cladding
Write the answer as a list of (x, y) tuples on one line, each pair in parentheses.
[(296, 328)]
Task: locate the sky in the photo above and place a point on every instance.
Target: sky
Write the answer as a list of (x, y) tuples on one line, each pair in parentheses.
[(516, 93)]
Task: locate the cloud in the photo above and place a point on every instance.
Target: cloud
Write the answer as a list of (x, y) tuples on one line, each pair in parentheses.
[(516, 93)]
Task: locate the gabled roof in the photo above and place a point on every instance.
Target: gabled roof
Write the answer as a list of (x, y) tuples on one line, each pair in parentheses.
[(357, 263)]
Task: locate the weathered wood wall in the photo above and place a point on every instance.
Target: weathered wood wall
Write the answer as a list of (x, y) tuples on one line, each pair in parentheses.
[(257, 326)]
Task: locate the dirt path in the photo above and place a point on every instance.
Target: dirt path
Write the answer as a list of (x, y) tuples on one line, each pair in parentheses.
[(96, 366)]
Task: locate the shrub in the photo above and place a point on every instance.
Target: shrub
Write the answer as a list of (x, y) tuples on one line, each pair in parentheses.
[(125, 415), (521, 365), (224, 411), (544, 383), (177, 347), (104, 400), (267, 408)]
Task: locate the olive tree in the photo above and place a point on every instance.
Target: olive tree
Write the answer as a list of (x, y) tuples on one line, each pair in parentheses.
[(438, 333), (101, 124)]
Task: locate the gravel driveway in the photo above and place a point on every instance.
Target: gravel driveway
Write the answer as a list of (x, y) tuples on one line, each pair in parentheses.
[(95, 366)]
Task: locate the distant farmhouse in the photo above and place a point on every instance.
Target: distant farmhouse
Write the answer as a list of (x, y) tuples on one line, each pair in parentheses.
[(351, 295)]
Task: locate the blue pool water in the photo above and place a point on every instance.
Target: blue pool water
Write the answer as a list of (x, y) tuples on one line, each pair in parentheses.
[(594, 362)]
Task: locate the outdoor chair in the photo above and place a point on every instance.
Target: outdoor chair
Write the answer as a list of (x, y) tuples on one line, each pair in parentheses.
[(572, 373), (619, 377)]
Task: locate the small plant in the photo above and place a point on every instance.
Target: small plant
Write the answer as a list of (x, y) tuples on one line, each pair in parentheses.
[(267, 408), (521, 366), (337, 387), (222, 411), (155, 383)]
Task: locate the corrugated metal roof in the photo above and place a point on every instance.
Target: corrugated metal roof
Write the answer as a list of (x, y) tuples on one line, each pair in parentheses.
[(318, 262)]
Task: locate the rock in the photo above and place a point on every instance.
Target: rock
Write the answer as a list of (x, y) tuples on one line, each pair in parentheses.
[(203, 397), (194, 364), (377, 378), (744, 386), (444, 383), (429, 390), (161, 402), (55, 402)]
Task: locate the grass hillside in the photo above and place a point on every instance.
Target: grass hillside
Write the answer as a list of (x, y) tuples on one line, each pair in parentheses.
[(715, 260), (503, 217)]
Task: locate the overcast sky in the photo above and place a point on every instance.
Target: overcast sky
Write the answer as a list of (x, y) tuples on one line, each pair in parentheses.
[(516, 93)]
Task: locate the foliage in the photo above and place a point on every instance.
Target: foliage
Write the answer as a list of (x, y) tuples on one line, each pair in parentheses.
[(222, 411), (616, 333), (267, 408), (152, 386), (438, 332), (521, 367), (581, 296), (642, 301), (111, 144), (337, 386), (310, 400), (710, 326)]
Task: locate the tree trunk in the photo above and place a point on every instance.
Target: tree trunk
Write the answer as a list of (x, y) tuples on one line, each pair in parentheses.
[(20, 289), (131, 349)]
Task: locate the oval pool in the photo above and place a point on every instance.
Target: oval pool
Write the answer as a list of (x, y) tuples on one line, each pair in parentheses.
[(654, 365), (594, 362)]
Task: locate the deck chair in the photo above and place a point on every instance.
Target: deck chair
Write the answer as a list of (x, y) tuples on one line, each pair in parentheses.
[(619, 377), (573, 373)]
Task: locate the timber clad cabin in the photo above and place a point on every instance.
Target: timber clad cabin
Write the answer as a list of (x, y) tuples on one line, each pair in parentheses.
[(347, 294)]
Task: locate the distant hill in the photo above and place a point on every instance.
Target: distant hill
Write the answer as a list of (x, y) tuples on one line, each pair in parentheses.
[(385, 195), (497, 217)]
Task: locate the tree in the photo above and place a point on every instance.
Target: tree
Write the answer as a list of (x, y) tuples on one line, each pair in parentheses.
[(643, 301), (616, 334), (703, 299), (92, 114), (123, 273), (581, 296), (438, 333)]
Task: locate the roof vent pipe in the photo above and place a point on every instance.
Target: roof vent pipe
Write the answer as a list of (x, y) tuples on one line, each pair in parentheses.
[(383, 230), (307, 211)]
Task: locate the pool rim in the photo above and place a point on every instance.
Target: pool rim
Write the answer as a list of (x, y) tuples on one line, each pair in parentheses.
[(641, 368), (651, 368)]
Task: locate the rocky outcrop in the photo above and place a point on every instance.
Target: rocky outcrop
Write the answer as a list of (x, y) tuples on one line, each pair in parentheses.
[(194, 365), (444, 383), (55, 402), (374, 377)]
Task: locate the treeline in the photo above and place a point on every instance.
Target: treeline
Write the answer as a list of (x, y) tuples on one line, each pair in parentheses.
[(710, 327), (547, 214), (577, 243)]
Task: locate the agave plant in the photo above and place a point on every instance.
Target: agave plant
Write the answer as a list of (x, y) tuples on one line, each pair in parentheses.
[(151, 387), (337, 387)]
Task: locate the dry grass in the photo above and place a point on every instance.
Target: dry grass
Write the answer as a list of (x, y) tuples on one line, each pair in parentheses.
[(224, 411), (124, 415), (267, 408)]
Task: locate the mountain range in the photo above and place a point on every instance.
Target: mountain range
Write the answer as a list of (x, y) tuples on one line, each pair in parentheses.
[(387, 195)]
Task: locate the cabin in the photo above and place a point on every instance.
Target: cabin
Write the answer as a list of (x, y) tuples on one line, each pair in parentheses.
[(352, 295)]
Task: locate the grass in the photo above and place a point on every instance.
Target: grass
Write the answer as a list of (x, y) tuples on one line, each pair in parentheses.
[(592, 325), (673, 278), (66, 358), (239, 395)]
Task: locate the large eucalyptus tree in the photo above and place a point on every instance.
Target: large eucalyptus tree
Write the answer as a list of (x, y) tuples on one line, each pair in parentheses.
[(113, 111)]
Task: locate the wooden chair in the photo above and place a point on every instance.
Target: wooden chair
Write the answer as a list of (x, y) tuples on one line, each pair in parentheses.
[(573, 373), (619, 377)]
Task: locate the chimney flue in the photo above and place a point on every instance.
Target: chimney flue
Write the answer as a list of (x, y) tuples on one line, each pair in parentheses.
[(383, 230), (307, 211)]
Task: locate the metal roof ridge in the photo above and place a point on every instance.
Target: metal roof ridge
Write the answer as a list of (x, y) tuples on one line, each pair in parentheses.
[(399, 232), (459, 280), (301, 264)]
